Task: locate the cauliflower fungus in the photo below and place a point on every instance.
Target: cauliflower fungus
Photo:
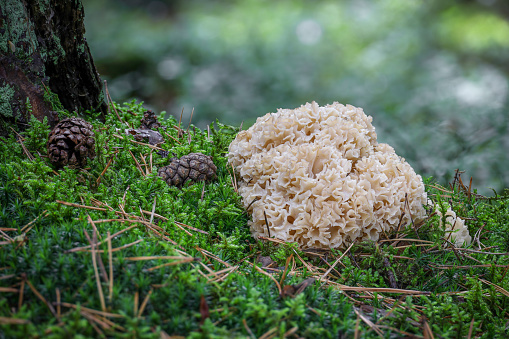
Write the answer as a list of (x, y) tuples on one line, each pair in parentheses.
[(321, 178), (455, 228)]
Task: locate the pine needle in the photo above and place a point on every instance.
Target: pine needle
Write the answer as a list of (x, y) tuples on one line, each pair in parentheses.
[(39, 295), (96, 272), (335, 263), (248, 330), (110, 260), (13, 321), (26, 228), (21, 294), (144, 303), (101, 313), (369, 323), (59, 311), (173, 263), (270, 276), (137, 164), (136, 300), (98, 181), (139, 143), (155, 257)]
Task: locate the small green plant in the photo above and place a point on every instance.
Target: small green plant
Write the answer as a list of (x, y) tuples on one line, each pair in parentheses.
[(37, 135)]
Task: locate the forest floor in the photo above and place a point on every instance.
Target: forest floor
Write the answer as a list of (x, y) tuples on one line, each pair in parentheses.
[(113, 251)]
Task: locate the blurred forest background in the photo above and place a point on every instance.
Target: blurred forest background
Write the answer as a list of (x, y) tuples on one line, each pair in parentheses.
[(433, 74)]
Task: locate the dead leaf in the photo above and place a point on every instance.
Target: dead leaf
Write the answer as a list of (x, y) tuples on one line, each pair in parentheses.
[(265, 261), (294, 290), (154, 137)]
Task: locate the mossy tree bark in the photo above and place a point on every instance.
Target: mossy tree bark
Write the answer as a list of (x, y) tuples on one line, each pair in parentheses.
[(43, 52)]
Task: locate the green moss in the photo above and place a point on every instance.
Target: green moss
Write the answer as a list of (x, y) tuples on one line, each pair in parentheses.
[(6, 95), (52, 99)]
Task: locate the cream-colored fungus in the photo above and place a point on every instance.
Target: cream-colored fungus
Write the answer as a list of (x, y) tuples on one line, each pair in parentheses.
[(455, 229), (322, 178)]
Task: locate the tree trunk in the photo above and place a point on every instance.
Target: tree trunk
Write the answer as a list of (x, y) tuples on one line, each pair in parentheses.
[(43, 52)]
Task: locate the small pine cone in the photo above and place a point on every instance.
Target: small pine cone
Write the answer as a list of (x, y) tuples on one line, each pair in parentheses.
[(190, 168), (149, 121), (71, 143)]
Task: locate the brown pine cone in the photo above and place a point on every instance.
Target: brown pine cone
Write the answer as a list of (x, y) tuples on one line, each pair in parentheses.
[(149, 121), (190, 168), (71, 143)]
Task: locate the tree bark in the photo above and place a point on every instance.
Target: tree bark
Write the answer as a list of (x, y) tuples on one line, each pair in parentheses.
[(43, 52)]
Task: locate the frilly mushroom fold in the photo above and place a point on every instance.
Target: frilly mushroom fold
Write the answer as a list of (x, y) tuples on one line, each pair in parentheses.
[(455, 228), (322, 179)]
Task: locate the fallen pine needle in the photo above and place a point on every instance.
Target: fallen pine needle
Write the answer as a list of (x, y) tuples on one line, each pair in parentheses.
[(335, 263), (21, 294), (96, 272), (290, 331), (138, 166), (405, 239), (173, 263), (176, 222), (8, 276), (450, 267), (81, 206), (428, 333), (136, 301), (116, 249), (471, 328), (378, 289), (139, 143), (92, 319), (8, 289), (110, 262), (406, 334), (251, 334), (154, 257), (498, 288), (310, 269), (44, 213), (42, 298), (101, 313), (269, 333), (270, 276), (104, 170), (369, 323), (144, 303), (228, 271), (213, 256), (13, 321)]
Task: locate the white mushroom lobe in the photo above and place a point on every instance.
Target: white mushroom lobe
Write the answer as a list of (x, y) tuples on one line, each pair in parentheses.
[(322, 178), (455, 228)]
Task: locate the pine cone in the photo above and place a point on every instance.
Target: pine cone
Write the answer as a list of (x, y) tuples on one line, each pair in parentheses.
[(149, 121), (190, 168), (71, 143)]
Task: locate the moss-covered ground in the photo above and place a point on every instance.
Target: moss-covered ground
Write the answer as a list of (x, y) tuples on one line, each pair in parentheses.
[(112, 251)]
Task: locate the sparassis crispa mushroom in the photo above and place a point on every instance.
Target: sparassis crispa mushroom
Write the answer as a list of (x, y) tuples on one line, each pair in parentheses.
[(321, 178), (456, 232)]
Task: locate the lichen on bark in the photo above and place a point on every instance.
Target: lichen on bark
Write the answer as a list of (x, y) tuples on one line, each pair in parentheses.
[(6, 95)]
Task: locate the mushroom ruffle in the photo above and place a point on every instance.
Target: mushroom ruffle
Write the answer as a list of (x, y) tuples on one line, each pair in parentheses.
[(455, 228), (321, 178)]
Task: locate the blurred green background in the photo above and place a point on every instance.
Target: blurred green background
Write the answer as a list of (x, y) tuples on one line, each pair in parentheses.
[(433, 74)]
